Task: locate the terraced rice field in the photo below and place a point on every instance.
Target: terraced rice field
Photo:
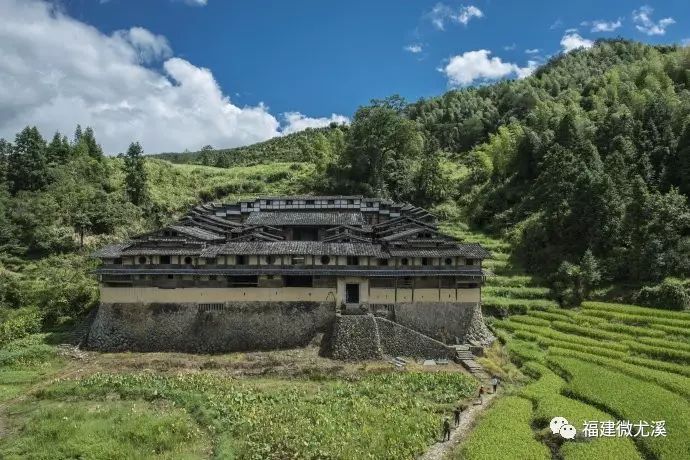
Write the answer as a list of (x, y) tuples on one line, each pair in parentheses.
[(601, 362)]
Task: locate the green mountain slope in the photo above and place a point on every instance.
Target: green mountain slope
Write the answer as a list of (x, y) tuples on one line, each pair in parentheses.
[(290, 148)]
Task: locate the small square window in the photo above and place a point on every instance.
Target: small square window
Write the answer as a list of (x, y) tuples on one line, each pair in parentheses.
[(352, 260)]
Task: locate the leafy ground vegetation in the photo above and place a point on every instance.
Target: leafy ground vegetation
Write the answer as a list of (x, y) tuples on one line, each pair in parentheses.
[(279, 405)]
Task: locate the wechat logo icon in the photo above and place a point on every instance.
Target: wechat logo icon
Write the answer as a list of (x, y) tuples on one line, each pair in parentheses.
[(560, 425)]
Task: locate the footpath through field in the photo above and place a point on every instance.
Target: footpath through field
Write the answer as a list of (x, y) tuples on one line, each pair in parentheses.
[(442, 449)]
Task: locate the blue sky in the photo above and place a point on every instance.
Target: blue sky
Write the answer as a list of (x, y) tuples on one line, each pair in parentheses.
[(279, 66)]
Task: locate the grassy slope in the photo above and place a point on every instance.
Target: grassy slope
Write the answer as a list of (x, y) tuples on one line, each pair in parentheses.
[(572, 357)]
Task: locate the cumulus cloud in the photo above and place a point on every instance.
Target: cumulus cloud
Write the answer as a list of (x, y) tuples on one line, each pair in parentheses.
[(441, 13), (414, 48), (573, 40), (296, 121), (150, 47), (56, 72), (602, 26), (642, 18), (479, 66)]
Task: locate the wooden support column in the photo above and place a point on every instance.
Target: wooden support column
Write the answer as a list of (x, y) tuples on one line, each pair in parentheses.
[(395, 285)]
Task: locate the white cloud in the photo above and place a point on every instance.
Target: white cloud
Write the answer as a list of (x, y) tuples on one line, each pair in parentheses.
[(466, 13), (150, 47), (196, 2), (642, 18), (442, 13), (296, 121), (56, 72), (573, 40), (685, 42), (414, 48), (557, 24), (603, 26), (510, 47), (478, 66), (524, 72), (532, 51)]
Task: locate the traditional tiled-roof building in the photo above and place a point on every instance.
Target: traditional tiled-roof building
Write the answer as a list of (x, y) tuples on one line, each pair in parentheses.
[(349, 252)]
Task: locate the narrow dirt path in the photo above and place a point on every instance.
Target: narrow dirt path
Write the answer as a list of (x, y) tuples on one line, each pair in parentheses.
[(442, 449)]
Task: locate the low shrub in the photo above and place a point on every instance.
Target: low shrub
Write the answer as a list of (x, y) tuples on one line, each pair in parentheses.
[(18, 323), (669, 295)]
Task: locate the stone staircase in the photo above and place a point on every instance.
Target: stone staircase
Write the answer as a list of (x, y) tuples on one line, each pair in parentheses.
[(464, 356), (80, 333)]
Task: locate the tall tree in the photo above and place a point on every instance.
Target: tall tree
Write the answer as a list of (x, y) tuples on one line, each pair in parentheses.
[(383, 147), (92, 147), (135, 175), (78, 133), (58, 150), (27, 166)]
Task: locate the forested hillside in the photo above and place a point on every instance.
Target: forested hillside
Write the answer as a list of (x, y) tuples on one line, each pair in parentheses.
[(584, 166)]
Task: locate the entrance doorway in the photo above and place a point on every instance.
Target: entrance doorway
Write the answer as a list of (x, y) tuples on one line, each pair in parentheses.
[(352, 293)]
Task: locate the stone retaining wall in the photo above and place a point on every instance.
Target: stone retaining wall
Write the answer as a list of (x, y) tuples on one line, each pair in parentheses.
[(355, 337), (370, 337), (445, 321), (398, 340), (240, 326)]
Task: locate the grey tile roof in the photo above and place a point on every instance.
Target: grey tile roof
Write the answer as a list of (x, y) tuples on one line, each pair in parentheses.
[(305, 218), (111, 251), (470, 250), (196, 232), (162, 251), (262, 233), (387, 272), (297, 248)]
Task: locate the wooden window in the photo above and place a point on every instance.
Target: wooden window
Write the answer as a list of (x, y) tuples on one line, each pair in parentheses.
[(383, 262), (243, 281), (241, 260), (425, 261), (325, 260), (448, 261), (165, 260), (352, 260), (297, 260), (188, 260), (142, 259), (298, 281), (117, 261), (469, 261), (404, 261), (270, 259)]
